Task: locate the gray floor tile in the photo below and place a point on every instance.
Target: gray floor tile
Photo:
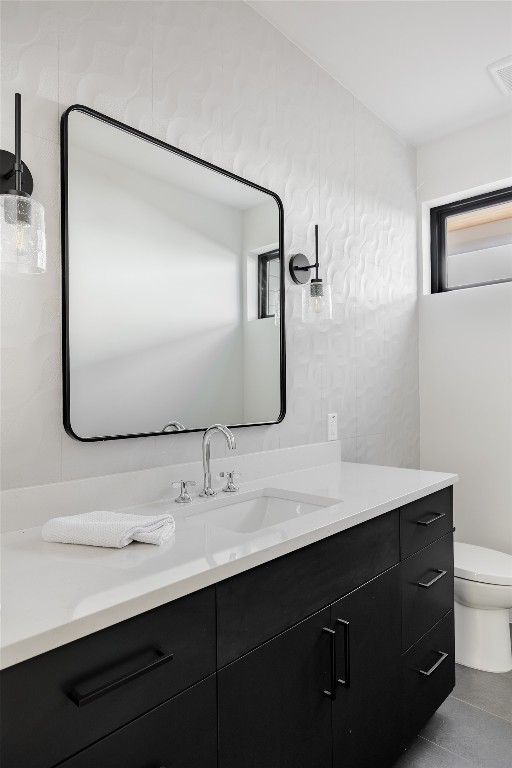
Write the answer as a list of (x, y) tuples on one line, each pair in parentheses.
[(485, 690), (424, 754), (481, 738)]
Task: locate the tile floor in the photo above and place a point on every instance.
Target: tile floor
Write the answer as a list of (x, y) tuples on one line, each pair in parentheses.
[(472, 729)]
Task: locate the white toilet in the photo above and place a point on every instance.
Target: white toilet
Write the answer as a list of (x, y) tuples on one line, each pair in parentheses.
[(483, 598)]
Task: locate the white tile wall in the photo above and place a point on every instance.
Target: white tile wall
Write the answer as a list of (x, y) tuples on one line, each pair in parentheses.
[(217, 80)]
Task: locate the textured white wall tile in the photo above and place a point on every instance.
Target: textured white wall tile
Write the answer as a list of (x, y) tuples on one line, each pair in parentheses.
[(336, 166), (375, 378), (29, 64), (297, 182), (385, 195), (256, 439), (371, 449), (249, 72), (218, 81), (105, 58), (179, 449), (187, 76), (297, 144), (81, 459), (349, 449)]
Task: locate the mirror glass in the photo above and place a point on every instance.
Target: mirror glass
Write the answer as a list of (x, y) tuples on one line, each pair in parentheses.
[(172, 271)]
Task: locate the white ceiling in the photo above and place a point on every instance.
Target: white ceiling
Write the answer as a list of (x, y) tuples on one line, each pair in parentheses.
[(421, 65)]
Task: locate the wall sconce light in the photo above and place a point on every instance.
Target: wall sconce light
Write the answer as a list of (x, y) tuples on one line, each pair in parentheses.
[(22, 235), (316, 295)]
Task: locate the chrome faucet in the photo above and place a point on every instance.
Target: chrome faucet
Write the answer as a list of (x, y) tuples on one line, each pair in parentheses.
[(207, 485)]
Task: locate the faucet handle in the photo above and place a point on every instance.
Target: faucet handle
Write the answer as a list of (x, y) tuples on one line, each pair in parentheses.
[(230, 486), (184, 497)]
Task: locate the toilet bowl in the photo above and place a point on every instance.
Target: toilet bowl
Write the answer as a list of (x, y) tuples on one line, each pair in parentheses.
[(483, 597)]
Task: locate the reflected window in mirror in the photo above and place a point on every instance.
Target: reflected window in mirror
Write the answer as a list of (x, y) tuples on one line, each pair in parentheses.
[(269, 270)]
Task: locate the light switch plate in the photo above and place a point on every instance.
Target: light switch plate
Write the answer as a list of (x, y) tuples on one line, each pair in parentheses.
[(332, 426)]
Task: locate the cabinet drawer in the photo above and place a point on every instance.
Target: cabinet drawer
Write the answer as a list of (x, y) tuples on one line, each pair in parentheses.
[(425, 520), (427, 589), (76, 694), (428, 676), (259, 604), (181, 733)]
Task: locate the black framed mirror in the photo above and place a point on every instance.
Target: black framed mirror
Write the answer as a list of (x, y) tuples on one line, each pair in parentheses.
[(162, 325)]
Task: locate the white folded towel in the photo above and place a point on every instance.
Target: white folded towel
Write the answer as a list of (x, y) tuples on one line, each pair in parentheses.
[(109, 529)]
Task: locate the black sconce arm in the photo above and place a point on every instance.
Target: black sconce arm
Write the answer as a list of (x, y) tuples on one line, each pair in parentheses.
[(300, 263), (12, 165)]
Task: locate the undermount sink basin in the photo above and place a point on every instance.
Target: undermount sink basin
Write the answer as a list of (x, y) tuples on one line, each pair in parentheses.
[(255, 511)]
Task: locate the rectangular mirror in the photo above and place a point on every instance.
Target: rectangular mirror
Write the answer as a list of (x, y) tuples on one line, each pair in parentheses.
[(173, 276)]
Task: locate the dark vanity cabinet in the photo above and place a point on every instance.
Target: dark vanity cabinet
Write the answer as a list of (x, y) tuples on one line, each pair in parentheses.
[(331, 656)]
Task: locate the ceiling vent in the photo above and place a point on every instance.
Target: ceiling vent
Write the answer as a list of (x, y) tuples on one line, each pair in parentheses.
[(501, 73)]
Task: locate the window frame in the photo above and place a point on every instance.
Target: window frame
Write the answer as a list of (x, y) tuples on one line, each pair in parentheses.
[(263, 261), (438, 216)]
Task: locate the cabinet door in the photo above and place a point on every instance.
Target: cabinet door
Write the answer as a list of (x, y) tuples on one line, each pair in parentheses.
[(273, 710), (366, 709)]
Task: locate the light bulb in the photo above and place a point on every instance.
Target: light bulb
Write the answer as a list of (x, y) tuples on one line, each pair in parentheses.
[(318, 304), (19, 238), (316, 301)]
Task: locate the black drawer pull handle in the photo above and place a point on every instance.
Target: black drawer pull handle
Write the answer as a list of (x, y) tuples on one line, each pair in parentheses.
[(437, 516), (428, 584), (346, 629), (81, 699), (332, 634), (428, 672)]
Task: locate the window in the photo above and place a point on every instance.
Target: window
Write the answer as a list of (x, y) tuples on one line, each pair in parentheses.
[(269, 276), (471, 242)]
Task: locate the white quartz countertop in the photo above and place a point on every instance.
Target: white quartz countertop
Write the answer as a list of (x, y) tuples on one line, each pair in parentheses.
[(53, 594)]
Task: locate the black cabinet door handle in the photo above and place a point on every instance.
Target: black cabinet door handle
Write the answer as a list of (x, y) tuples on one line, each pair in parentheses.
[(428, 672), (428, 584), (345, 682), (332, 634), (437, 516), (81, 699)]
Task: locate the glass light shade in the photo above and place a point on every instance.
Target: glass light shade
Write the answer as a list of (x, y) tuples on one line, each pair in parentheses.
[(316, 302), (22, 235)]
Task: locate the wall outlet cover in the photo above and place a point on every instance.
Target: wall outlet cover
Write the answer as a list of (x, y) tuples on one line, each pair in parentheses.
[(332, 426)]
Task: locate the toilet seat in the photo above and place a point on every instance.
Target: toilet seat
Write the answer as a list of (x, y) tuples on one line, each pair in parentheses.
[(487, 566)]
